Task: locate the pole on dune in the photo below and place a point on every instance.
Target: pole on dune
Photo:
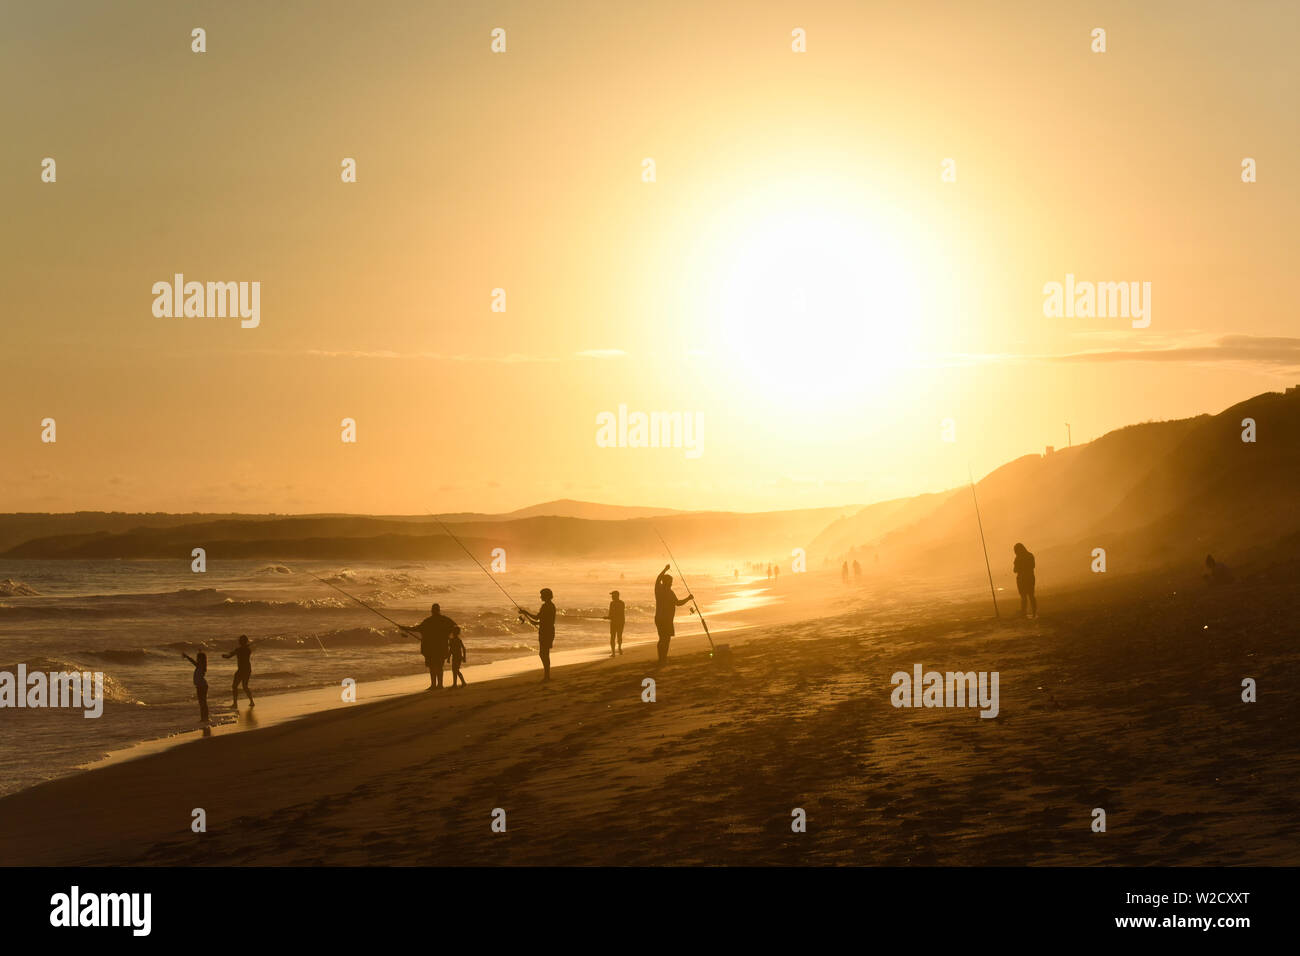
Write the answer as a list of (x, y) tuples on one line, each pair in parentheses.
[(987, 566)]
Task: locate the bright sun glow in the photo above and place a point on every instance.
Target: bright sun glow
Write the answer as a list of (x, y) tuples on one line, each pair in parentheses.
[(817, 303)]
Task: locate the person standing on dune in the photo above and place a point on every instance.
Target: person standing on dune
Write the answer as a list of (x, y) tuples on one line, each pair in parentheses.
[(666, 605), (433, 632), (1024, 568), (544, 620), (1216, 572)]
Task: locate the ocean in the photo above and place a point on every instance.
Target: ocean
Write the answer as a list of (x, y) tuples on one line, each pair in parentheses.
[(132, 621)]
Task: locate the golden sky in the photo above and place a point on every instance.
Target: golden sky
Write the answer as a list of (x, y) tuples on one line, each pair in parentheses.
[(798, 276)]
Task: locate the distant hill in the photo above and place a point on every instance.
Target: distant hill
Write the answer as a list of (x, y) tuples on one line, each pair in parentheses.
[(568, 508), (15, 529), (1152, 495), (864, 528), (724, 535)]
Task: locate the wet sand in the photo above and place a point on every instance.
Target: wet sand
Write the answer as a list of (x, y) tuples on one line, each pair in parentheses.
[(1125, 696)]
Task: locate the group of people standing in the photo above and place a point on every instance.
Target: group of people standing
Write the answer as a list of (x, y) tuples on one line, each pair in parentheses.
[(440, 636), (441, 643)]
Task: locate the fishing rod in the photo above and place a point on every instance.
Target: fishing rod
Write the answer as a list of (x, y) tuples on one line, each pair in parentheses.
[(983, 545), (259, 640), (317, 636), (400, 627), (695, 605), (447, 531)]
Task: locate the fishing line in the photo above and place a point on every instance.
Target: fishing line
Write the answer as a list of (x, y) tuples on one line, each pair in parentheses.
[(476, 561), (359, 601)]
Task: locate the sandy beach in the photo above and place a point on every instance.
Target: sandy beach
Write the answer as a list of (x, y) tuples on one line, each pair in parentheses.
[(1125, 696)]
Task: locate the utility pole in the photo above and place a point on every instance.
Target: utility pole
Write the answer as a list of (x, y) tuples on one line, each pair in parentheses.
[(1069, 441)]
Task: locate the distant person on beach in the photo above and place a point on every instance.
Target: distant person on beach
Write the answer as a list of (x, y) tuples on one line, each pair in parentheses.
[(1216, 572), (616, 619), (1024, 568), (844, 572), (243, 670), (456, 652), (666, 605), (544, 620), (776, 572), (857, 572), (434, 632), (200, 683)]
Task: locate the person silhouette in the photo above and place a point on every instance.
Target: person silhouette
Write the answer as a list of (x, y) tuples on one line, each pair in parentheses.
[(456, 653), (243, 670), (857, 572), (1024, 569), (844, 572), (616, 620), (544, 620), (1216, 572), (200, 683), (666, 605), (433, 633)]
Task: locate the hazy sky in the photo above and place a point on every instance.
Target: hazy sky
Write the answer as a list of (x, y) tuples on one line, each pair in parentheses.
[(799, 275)]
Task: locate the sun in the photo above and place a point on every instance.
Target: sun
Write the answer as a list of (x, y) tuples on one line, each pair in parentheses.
[(816, 303)]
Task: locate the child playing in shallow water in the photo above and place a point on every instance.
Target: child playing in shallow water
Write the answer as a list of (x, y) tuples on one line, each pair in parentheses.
[(200, 683)]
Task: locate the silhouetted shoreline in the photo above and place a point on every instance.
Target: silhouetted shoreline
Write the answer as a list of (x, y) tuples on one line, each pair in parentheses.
[(1124, 695)]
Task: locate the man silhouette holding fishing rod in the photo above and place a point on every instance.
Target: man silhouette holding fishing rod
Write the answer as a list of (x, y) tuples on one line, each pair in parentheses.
[(666, 605), (434, 633), (544, 621)]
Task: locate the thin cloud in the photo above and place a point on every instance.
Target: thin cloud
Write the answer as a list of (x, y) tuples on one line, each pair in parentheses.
[(509, 359), (514, 358), (1279, 351), (1272, 352)]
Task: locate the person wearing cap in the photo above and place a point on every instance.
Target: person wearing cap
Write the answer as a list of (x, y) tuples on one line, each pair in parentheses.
[(544, 619), (615, 617)]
